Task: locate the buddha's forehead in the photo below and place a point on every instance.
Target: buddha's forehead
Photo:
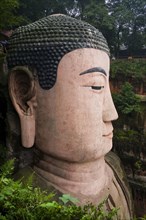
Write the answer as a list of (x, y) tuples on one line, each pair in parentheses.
[(83, 61), (43, 43)]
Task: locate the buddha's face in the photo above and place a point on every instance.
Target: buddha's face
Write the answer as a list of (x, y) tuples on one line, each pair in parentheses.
[(73, 119)]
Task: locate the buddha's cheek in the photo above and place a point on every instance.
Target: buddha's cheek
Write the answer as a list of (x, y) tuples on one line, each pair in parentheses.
[(72, 131)]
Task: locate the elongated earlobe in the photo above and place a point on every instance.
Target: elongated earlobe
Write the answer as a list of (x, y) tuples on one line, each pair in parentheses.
[(23, 96)]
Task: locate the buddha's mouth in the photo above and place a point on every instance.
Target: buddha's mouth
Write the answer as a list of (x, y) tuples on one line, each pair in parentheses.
[(109, 135)]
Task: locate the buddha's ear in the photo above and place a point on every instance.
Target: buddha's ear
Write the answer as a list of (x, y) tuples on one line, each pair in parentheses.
[(23, 95)]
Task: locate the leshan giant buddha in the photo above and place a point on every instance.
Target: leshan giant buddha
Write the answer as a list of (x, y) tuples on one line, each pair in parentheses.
[(59, 86)]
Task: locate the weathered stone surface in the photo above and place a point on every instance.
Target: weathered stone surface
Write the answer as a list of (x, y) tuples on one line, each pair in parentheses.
[(69, 121)]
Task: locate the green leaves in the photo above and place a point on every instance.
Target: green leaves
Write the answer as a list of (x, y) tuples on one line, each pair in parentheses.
[(126, 101), (8, 17), (68, 198), (128, 70), (129, 23), (18, 201), (49, 205), (7, 169)]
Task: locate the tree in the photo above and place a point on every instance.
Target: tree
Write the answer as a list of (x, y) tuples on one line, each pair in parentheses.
[(129, 22), (134, 42), (8, 16), (95, 12), (122, 22), (137, 25), (126, 100), (33, 10), (80, 6)]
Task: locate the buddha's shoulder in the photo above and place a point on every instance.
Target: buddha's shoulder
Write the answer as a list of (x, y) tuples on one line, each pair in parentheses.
[(115, 163), (27, 174), (120, 178)]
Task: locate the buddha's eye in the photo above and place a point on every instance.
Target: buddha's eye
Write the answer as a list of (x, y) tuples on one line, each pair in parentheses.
[(97, 87)]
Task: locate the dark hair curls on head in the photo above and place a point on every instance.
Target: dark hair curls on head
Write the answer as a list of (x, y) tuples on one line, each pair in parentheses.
[(42, 44)]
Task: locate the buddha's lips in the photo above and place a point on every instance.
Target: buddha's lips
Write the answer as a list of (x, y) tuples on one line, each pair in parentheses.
[(109, 135)]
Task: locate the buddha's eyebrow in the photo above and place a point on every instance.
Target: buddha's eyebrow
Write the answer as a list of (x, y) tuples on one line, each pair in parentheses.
[(95, 69)]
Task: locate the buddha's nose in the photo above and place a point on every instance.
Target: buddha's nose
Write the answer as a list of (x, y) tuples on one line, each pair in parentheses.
[(109, 110)]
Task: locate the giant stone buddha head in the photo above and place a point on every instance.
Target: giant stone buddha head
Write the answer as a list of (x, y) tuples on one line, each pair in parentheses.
[(59, 85)]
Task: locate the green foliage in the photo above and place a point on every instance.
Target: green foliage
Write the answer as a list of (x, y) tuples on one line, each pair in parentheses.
[(36, 9), (135, 42), (128, 145), (129, 21), (126, 101), (8, 17), (97, 15), (127, 139), (142, 218), (121, 22), (18, 201), (128, 68), (67, 198), (138, 164)]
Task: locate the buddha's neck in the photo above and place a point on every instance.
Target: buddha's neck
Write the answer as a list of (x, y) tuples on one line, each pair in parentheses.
[(82, 180)]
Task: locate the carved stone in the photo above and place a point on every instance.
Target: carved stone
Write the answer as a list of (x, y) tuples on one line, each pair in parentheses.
[(59, 86)]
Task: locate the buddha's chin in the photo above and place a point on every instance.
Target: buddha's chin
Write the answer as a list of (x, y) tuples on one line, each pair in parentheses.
[(78, 153)]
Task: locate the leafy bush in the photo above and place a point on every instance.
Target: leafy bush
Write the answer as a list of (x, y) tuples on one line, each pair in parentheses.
[(126, 100), (18, 201), (127, 140), (128, 68)]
